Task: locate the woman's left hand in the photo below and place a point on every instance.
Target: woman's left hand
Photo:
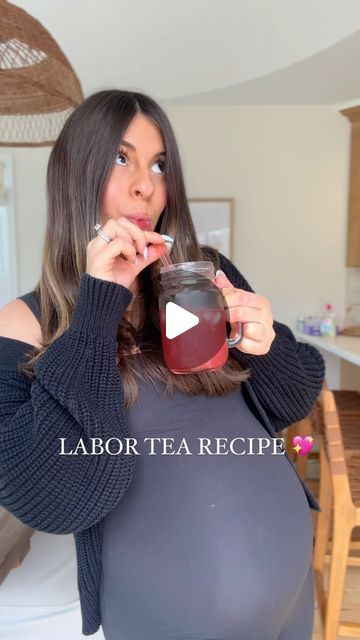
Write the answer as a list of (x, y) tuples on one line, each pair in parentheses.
[(253, 311)]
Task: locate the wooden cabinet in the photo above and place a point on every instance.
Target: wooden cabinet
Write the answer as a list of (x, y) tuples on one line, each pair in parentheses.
[(353, 230)]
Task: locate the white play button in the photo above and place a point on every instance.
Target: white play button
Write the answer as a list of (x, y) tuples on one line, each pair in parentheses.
[(178, 320)]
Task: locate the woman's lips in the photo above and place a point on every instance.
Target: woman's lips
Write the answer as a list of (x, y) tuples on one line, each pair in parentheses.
[(142, 223)]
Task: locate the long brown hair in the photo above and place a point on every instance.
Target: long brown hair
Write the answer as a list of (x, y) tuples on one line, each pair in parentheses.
[(80, 164)]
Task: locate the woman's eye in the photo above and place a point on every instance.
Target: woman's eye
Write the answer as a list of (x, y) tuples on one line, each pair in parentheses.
[(121, 159), (161, 166)]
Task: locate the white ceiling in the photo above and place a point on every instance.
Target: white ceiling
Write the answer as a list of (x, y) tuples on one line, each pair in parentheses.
[(211, 52)]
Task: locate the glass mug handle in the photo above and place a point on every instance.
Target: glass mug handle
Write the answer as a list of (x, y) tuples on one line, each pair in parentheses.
[(231, 342), (237, 338)]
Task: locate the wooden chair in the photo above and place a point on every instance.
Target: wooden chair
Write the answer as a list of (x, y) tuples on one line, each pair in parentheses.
[(348, 405), (339, 499), (302, 428), (14, 542)]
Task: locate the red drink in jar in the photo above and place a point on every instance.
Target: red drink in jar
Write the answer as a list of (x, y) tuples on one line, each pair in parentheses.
[(184, 353), (203, 347)]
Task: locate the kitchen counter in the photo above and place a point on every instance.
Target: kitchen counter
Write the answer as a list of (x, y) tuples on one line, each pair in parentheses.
[(345, 347)]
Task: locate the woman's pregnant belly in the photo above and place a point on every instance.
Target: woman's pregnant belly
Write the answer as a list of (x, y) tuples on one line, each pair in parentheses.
[(203, 543)]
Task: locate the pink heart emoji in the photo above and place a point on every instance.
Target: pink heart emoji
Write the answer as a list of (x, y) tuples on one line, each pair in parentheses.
[(305, 444)]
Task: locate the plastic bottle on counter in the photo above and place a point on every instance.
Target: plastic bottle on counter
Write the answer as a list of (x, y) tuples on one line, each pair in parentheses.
[(312, 325), (316, 324), (300, 322), (307, 324), (328, 324)]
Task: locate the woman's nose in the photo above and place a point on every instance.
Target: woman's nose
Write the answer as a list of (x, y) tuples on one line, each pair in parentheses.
[(142, 183)]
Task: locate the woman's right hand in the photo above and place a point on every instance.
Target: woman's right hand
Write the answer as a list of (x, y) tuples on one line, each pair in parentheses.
[(115, 261)]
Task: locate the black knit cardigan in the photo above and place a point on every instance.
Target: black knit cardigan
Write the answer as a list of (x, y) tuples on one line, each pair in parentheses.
[(78, 393)]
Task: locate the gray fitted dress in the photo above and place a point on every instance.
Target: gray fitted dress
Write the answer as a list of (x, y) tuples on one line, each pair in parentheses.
[(206, 547)]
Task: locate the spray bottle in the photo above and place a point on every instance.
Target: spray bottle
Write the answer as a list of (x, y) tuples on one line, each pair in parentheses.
[(328, 325)]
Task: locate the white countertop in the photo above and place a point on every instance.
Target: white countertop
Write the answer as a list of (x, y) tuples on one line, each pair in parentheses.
[(345, 347)]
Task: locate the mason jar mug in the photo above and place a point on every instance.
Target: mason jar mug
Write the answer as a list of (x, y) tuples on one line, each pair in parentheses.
[(192, 318)]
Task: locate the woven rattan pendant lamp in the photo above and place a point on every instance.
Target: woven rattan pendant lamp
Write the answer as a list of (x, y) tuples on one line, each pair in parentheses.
[(38, 87)]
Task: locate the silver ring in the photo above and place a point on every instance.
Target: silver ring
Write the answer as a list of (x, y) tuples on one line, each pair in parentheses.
[(100, 232)]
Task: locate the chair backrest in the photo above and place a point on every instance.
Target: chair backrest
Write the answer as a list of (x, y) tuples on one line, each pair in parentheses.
[(327, 424), (14, 542)]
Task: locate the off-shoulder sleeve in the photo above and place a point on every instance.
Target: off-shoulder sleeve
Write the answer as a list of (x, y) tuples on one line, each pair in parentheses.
[(77, 393), (288, 379)]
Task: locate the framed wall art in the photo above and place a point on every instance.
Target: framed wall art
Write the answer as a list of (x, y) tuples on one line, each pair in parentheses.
[(213, 220)]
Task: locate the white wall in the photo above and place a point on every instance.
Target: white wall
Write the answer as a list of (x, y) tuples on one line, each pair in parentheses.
[(286, 168)]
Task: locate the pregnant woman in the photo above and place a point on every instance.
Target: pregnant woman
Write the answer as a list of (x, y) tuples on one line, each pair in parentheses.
[(183, 545)]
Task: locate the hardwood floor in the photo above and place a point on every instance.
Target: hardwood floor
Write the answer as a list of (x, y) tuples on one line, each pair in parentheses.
[(350, 607)]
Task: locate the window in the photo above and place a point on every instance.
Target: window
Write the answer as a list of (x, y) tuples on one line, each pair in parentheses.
[(8, 253)]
